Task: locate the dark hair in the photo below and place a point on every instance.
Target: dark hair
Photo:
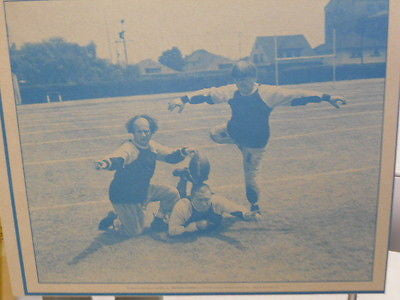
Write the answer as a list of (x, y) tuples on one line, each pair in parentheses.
[(130, 125), (244, 69)]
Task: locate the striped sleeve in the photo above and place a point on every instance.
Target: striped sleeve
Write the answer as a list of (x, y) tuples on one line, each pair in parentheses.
[(218, 94), (127, 151), (279, 96), (167, 154)]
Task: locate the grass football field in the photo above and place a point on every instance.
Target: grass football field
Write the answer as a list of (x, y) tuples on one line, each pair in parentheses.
[(319, 192)]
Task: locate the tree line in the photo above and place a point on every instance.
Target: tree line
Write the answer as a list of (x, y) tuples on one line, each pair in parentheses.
[(56, 61)]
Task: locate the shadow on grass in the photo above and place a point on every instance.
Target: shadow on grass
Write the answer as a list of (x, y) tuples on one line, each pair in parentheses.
[(216, 233), (104, 239), (112, 238)]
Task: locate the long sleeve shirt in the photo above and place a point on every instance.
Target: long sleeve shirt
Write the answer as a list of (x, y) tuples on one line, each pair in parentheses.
[(249, 124), (184, 216), (134, 167)]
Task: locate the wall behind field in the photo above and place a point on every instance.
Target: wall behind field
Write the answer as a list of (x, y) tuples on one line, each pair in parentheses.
[(180, 82)]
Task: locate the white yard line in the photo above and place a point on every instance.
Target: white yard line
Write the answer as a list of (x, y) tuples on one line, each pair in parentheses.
[(94, 158), (119, 125), (69, 205), (306, 177), (201, 118), (221, 187), (186, 130), (213, 145), (161, 113), (326, 132), (58, 161), (108, 136)]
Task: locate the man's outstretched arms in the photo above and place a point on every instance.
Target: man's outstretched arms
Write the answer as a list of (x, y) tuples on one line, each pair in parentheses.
[(279, 96), (182, 101), (211, 96), (335, 101), (125, 154)]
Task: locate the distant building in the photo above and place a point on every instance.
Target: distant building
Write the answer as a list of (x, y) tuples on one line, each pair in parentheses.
[(150, 67), (266, 48), (202, 60), (359, 29)]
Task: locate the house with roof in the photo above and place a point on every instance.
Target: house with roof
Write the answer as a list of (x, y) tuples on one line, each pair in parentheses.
[(202, 60), (151, 67), (291, 49), (356, 31)]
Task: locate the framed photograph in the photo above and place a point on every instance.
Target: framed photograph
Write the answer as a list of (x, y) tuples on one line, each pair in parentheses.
[(197, 147)]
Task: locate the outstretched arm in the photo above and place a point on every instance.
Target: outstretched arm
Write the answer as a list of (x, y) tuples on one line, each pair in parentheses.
[(222, 206), (112, 163), (332, 100), (170, 155), (211, 96), (279, 96), (125, 154)]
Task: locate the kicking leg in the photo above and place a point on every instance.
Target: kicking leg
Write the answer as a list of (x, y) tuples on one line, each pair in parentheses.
[(220, 135)]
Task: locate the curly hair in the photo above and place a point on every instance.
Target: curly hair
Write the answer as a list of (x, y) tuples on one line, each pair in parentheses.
[(130, 125)]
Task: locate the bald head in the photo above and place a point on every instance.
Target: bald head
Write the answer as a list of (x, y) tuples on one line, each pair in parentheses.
[(201, 197), (142, 128), (141, 123)]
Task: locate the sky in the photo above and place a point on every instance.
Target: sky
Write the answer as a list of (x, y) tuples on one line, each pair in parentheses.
[(224, 27)]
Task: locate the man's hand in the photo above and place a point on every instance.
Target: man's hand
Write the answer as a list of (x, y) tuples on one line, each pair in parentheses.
[(333, 100), (188, 151), (202, 225), (101, 165), (176, 103), (117, 225)]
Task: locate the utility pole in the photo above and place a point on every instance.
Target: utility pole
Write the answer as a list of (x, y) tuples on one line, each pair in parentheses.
[(123, 40), (240, 43), (334, 57), (109, 44), (276, 60)]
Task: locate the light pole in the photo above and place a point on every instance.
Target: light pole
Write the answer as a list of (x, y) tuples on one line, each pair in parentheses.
[(276, 60), (123, 40)]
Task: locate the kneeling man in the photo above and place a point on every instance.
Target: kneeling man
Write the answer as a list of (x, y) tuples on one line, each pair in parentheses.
[(131, 190)]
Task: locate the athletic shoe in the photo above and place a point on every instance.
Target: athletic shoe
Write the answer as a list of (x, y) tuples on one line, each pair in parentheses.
[(255, 208), (158, 225), (107, 221)]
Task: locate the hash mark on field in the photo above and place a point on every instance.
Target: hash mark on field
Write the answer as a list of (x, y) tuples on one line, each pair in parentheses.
[(345, 115), (224, 187)]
